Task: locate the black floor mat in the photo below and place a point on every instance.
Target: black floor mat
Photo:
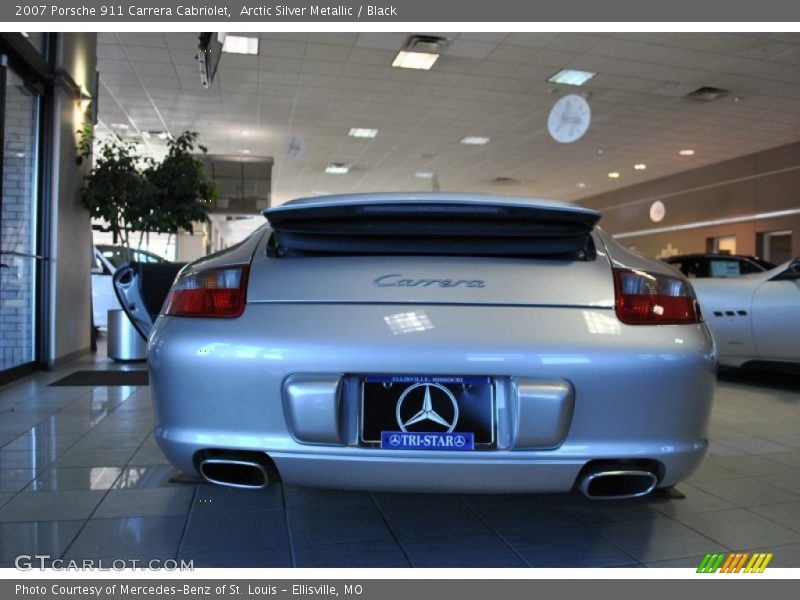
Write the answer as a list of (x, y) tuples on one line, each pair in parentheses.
[(94, 378)]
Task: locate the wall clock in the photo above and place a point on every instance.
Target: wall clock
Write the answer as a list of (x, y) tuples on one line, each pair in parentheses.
[(569, 119), (657, 211)]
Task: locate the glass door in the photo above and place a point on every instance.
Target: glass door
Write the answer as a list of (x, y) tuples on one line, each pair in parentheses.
[(18, 221)]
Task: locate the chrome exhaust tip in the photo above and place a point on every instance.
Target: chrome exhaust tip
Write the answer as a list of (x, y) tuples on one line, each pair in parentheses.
[(237, 473), (618, 485)]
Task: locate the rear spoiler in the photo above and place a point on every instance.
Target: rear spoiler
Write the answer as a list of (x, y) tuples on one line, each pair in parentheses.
[(429, 225)]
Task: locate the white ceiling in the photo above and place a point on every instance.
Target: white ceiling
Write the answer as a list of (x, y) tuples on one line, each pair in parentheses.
[(319, 85)]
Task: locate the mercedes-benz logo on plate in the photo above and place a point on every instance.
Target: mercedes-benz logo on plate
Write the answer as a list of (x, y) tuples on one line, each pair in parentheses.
[(427, 403)]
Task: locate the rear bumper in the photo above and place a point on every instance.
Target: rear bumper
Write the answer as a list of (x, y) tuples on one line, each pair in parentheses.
[(638, 392), (479, 472)]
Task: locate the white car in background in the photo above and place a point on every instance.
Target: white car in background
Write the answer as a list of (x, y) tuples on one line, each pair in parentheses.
[(105, 261), (754, 318)]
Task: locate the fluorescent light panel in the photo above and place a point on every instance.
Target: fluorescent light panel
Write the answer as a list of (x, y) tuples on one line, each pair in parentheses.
[(239, 44), (423, 175), (361, 132), (571, 77), (337, 169), (474, 140), (415, 60)]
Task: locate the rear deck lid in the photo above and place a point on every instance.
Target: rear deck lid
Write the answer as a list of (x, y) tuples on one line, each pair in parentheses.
[(431, 248)]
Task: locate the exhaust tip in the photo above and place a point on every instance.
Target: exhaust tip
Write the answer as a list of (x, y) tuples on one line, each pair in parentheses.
[(245, 474), (617, 485)]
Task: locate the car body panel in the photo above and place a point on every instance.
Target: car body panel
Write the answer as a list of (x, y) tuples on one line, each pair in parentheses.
[(106, 260), (103, 296), (434, 279), (753, 317), (636, 393), (776, 320), (427, 198)]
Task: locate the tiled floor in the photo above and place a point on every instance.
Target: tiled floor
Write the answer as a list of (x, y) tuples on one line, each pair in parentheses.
[(81, 477)]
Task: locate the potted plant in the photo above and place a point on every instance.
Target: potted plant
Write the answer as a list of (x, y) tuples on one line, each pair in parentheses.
[(134, 193), (179, 191)]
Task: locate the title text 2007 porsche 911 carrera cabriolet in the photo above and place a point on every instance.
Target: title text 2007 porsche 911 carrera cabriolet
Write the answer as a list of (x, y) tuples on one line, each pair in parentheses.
[(433, 342)]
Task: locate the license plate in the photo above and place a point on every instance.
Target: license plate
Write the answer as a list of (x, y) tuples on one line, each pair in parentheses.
[(422, 412)]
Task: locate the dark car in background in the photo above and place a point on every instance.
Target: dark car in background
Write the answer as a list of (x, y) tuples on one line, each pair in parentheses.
[(718, 265)]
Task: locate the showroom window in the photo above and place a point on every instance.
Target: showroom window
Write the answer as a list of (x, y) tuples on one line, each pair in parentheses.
[(725, 244), (776, 246), (18, 234), (20, 250)]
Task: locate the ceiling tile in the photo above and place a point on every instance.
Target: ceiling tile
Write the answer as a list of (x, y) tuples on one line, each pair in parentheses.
[(470, 48), (494, 84)]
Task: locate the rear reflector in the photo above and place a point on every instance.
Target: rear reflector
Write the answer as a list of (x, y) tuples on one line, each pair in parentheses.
[(645, 298), (213, 293)]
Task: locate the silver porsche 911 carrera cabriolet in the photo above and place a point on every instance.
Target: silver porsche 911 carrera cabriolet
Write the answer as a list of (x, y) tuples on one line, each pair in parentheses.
[(433, 342)]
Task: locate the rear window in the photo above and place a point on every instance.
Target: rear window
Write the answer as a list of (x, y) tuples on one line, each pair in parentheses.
[(750, 267), (725, 268)]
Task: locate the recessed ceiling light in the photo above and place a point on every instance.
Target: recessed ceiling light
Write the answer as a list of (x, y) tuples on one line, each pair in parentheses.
[(503, 180), (337, 169), (239, 44), (571, 77), (415, 60), (474, 140), (423, 175), (640, 166), (244, 151), (613, 175), (686, 152), (122, 126), (581, 185), (360, 132), (706, 94), (245, 133)]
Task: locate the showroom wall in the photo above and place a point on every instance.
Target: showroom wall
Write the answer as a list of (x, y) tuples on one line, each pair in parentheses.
[(741, 193), (71, 234)]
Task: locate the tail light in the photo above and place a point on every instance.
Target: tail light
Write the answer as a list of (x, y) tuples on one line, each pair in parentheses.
[(212, 293), (654, 299)]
